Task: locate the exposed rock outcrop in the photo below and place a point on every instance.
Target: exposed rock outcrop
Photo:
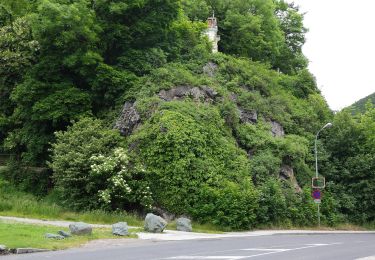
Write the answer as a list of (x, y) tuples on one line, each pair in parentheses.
[(204, 93), (210, 69), (277, 129), (248, 116), (287, 173), (128, 120)]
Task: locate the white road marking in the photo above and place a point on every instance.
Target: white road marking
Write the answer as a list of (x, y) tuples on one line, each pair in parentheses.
[(367, 258), (266, 251), (208, 257)]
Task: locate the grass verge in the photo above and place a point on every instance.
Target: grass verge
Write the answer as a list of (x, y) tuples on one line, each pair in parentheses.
[(15, 235), (20, 204)]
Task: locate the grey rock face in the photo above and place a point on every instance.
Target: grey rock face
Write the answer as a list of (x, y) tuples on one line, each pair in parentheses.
[(80, 228), (54, 236), (154, 224), (277, 129), (210, 69), (64, 234), (248, 116), (287, 173), (120, 229), (184, 224), (204, 93), (128, 120)]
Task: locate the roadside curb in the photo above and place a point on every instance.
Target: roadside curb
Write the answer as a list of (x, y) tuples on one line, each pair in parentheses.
[(171, 235)]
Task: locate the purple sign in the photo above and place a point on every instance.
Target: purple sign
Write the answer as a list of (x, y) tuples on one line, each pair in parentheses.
[(316, 194)]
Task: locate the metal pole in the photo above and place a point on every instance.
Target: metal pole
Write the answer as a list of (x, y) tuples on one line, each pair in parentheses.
[(316, 155), (316, 166), (318, 214), (316, 171), (316, 162)]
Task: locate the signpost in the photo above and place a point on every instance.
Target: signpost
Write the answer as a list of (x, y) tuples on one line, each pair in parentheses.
[(316, 194), (318, 183)]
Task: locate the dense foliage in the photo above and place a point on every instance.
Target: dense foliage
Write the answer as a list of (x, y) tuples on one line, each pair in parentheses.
[(225, 138), (359, 107)]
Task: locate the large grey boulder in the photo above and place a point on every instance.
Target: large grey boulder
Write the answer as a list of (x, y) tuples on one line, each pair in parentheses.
[(128, 120), (184, 224), (54, 236), (154, 224), (120, 229), (80, 228)]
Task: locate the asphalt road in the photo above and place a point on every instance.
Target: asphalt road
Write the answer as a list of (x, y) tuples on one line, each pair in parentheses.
[(318, 246)]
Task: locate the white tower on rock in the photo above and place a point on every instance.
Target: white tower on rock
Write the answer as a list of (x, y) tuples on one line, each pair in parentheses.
[(211, 32)]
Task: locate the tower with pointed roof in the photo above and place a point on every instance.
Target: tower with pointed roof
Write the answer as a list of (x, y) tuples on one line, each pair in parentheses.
[(211, 33)]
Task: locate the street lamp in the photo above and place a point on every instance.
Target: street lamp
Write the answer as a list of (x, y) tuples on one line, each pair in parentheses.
[(316, 162), (316, 150)]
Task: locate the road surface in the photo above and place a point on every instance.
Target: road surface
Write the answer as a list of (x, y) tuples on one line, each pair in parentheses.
[(280, 246)]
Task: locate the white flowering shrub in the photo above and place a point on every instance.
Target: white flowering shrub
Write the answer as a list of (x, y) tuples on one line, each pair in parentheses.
[(125, 186), (90, 171)]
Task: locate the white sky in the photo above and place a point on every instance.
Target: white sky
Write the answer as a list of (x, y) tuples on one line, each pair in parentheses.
[(341, 48)]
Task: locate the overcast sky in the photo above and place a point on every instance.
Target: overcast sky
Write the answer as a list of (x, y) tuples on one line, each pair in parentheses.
[(341, 48)]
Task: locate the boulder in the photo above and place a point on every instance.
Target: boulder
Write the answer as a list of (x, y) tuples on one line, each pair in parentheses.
[(128, 120), (80, 228), (120, 229), (154, 224), (63, 233), (184, 224), (54, 236)]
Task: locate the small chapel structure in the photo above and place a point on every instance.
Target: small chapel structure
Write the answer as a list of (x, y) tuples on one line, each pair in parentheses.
[(211, 33)]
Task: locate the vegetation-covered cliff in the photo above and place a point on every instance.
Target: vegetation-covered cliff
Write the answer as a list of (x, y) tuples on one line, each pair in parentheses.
[(120, 105)]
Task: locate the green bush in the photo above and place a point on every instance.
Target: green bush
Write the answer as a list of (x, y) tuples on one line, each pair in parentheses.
[(35, 180), (72, 166), (231, 205), (186, 147)]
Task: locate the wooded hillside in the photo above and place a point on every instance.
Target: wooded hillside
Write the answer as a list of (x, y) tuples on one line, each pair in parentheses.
[(120, 105)]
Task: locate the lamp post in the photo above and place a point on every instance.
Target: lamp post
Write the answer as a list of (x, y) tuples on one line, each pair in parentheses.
[(316, 161)]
